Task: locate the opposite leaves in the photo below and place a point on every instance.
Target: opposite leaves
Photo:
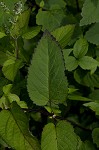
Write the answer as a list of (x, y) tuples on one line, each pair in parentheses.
[(46, 77)]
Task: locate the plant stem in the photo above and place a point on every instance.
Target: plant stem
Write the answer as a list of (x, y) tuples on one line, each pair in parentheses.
[(16, 48)]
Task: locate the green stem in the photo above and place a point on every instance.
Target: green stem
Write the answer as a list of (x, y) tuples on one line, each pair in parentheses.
[(16, 48)]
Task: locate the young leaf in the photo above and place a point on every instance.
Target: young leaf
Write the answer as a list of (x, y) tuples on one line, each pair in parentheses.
[(10, 68), (90, 12), (92, 35), (14, 129), (87, 62), (2, 35), (93, 106), (80, 48), (59, 137), (95, 136), (46, 77), (63, 34), (50, 20), (71, 63)]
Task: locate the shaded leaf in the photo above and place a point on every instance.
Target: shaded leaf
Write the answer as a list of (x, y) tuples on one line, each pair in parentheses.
[(16, 134), (95, 136)]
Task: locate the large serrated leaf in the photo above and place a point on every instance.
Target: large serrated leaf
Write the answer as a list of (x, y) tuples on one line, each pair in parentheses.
[(14, 129), (46, 78), (59, 137), (90, 12), (63, 34)]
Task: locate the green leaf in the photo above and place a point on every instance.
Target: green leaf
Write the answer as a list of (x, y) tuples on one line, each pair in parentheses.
[(87, 62), (46, 77), (50, 20), (63, 34), (93, 106), (10, 68), (14, 129), (78, 98), (66, 52), (31, 32), (95, 95), (87, 145), (71, 63), (92, 35), (59, 137), (3, 57), (2, 35), (80, 48), (90, 12), (95, 136), (7, 89)]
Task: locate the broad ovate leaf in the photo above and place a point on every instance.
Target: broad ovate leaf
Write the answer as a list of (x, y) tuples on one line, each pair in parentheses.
[(63, 34), (90, 12), (95, 136), (46, 78), (59, 137), (14, 129), (80, 48)]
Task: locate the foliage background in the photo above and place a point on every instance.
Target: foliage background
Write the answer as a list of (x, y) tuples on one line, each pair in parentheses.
[(49, 75)]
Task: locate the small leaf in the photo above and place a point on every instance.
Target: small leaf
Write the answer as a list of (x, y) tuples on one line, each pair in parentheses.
[(90, 12), (59, 137), (14, 129), (46, 77), (2, 35), (71, 63), (7, 89), (63, 34), (10, 68), (93, 106), (78, 98), (95, 136), (31, 33), (80, 48), (88, 63), (92, 35)]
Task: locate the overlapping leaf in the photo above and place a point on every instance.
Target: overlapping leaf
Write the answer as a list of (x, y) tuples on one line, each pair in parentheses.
[(46, 78)]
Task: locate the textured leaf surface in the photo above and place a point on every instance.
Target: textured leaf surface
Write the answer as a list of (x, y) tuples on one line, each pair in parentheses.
[(50, 20), (71, 63), (92, 35), (46, 78), (95, 135), (80, 48), (63, 34), (61, 137), (14, 129), (87, 62), (93, 106), (90, 12)]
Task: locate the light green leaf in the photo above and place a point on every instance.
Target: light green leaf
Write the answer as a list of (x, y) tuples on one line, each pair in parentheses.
[(71, 63), (50, 20), (63, 34), (46, 77), (31, 32), (10, 68), (7, 89), (66, 52), (78, 98), (92, 35), (93, 106), (80, 48), (90, 12), (87, 62), (59, 137), (95, 136), (2, 35), (14, 129)]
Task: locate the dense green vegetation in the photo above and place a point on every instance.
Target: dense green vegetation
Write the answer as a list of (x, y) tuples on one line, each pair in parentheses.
[(49, 75)]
